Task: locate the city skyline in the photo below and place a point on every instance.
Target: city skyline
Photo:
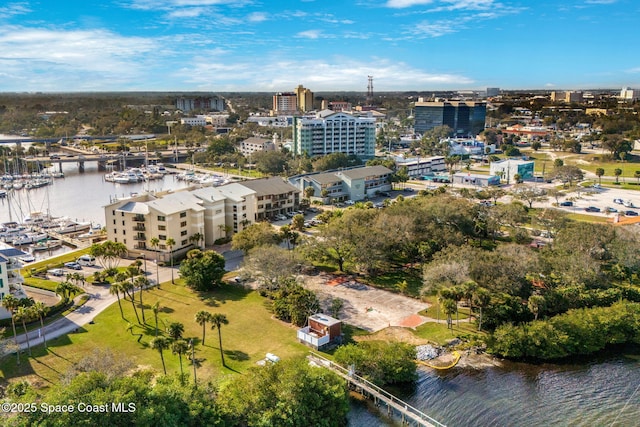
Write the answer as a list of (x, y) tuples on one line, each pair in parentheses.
[(247, 45)]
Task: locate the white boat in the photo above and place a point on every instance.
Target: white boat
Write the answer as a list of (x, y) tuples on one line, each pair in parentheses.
[(45, 245), (28, 238), (27, 258), (69, 226)]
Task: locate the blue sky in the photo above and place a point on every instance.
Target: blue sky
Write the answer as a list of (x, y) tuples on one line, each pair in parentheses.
[(274, 45)]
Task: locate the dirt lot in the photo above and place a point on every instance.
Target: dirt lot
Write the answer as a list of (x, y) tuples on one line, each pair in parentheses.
[(365, 307)]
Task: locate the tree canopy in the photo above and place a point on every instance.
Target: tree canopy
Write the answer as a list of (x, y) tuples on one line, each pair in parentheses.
[(202, 271)]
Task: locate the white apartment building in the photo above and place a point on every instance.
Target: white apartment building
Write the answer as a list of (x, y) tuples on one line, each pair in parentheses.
[(10, 278), (421, 166), (253, 144), (330, 132), (628, 94), (194, 121)]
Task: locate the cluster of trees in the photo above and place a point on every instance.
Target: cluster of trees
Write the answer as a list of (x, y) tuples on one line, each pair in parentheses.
[(289, 393), (202, 270), (380, 362)]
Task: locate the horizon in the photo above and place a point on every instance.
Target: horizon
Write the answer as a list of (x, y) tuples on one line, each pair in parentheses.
[(251, 46)]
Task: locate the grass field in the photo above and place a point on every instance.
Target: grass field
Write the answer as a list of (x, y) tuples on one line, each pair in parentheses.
[(250, 334), (439, 333)]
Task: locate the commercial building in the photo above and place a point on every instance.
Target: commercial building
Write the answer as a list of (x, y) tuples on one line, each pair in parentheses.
[(304, 98), (197, 217), (508, 169), (194, 121), (418, 167), (475, 179), (566, 96), (330, 132), (463, 117), (493, 91), (10, 278), (347, 184), (204, 103)]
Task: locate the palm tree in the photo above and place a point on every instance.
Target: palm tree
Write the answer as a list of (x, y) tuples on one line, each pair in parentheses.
[(40, 309), (115, 289), (160, 344), (482, 298), (217, 320), (617, 172), (128, 289), (535, 303), (449, 306), (175, 330), (11, 303), (25, 314), (154, 242), (636, 175), (170, 242), (599, 173), (202, 317), (141, 282), (156, 309), (180, 347)]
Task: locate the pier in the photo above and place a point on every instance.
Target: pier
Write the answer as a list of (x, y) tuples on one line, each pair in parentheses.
[(395, 407)]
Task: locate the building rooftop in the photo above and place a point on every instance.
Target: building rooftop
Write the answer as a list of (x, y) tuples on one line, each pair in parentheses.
[(324, 319), (176, 202), (235, 191), (134, 208), (255, 140), (325, 178), (359, 173), (273, 185)]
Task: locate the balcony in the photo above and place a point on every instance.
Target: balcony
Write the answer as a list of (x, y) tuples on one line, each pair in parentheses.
[(139, 218), (15, 279), (140, 246), (313, 338), (140, 237), (139, 227)]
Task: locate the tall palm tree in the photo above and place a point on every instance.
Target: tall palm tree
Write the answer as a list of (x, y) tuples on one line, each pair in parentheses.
[(449, 306), (170, 242), (482, 298), (180, 347), (202, 317), (156, 310), (41, 310), (11, 303), (25, 314), (217, 320), (115, 289), (154, 242), (128, 289), (141, 282), (175, 330), (160, 344)]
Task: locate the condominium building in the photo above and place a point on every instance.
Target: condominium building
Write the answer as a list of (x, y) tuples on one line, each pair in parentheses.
[(566, 96), (330, 132), (420, 166), (463, 117), (10, 278), (304, 98), (199, 120), (197, 217), (284, 103), (508, 169)]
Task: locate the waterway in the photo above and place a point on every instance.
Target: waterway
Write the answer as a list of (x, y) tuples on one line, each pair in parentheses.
[(601, 391)]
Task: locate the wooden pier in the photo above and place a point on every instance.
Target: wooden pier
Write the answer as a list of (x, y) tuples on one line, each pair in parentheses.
[(407, 413)]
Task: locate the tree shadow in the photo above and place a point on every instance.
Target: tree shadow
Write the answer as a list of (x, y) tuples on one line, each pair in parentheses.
[(236, 355), (165, 309)]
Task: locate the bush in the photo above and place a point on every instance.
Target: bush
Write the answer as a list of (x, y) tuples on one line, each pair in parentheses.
[(380, 362)]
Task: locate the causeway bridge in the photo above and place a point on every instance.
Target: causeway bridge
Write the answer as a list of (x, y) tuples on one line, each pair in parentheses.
[(395, 407)]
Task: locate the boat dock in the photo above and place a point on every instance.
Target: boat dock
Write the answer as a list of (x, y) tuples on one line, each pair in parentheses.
[(76, 243), (395, 407)]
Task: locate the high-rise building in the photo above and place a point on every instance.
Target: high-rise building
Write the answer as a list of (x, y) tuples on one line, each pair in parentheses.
[(305, 98), (204, 103), (331, 132), (566, 96), (493, 91), (628, 94), (285, 103), (463, 117)]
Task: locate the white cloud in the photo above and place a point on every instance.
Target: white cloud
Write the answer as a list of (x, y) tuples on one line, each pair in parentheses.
[(191, 12), (435, 29), (601, 1), (310, 34), (13, 9), (257, 17), (338, 73), (401, 4)]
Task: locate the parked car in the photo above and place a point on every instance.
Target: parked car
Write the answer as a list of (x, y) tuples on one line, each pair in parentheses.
[(408, 190), (566, 203), (618, 201), (56, 272), (610, 210), (628, 204), (73, 265), (592, 209), (631, 213)]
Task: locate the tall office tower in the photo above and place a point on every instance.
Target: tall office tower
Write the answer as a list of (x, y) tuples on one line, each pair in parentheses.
[(463, 117), (285, 103)]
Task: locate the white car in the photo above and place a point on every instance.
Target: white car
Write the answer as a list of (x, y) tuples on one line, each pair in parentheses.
[(58, 272)]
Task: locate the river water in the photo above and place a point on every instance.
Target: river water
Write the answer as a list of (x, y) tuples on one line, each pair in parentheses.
[(602, 391)]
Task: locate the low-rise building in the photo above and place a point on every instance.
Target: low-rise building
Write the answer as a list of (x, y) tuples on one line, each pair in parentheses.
[(508, 169), (322, 330), (274, 196), (420, 166), (347, 184), (253, 144), (475, 179)]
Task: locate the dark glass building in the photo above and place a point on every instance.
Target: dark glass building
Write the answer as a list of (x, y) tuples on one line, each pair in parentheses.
[(466, 118)]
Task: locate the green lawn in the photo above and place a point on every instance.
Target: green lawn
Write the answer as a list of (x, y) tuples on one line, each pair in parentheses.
[(250, 334), (434, 309), (439, 333)]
